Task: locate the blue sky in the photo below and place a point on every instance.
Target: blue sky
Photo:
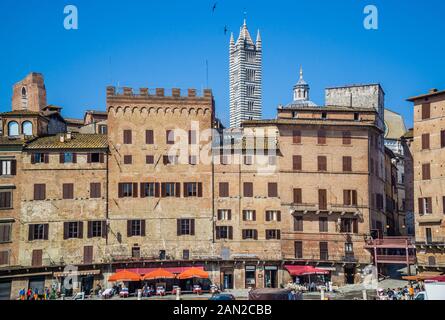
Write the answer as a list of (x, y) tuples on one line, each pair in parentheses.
[(147, 43)]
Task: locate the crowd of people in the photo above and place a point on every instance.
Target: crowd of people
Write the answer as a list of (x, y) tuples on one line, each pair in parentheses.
[(35, 294), (405, 293)]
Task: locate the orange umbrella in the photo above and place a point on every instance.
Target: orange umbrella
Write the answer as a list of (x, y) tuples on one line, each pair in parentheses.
[(158, 274), (193, 273), (124, 275)]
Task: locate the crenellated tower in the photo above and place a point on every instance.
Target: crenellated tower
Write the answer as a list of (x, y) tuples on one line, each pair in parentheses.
[(245, 78)]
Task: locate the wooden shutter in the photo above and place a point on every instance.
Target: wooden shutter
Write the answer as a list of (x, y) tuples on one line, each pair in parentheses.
[(296, 136), (135, 190), (244, 234), (33, 158), (278, 234), (354, 201), (95, 190), (254, 215), (426, 171), (88, 254), (101, 158), (199, 189), (347, 164), (355, 226), (149, 137), (104, 229), (14, 167), (128, 137), (425, 141), (321, 137), (89, 157), (298, 249), (426, 111), (244, 215), (90, 229), (322, 163), (62, 157), (346, 137), (46, 157), (230, 214), (255, 234), (31, 232), (223, 190), (429, 205), (178, 227), (218, 233), (120, 190), (65, 230), (80, 224), (346, 198), (68, 192), (272, 190), (37, 258), (442, 139), (74, 157), (230, 233), (142, 228), (157, 190), (298, 196), (45, 231), (178, 190), (192, 227), (129, 224), (279, 216), (322, 199), (248, 189), (267, 216), (297, 163), (144, 186)]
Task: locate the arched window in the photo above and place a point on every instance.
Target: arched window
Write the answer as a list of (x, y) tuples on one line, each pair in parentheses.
[(13, 129), (27, 128), (24, 94)]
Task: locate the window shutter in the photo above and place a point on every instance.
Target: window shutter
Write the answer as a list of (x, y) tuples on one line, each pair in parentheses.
[(425, 141), (346, 199), (278, 234), (143, 186), (255, 234), (178, 227), (279, 216), (135, 190), (121, 190), (80, 230), (62, 157), (65, 230), (142, 228), (129, 234), (244, 234), (14, 167), (430, 205), (33, 158), (104, 229), (346, 138), (322, 201), (230, 214), (426, 111), (218, 234), (101, 158), (74, 157), (230, 233), (298, 196), (185, 190), (31, 232), (442, 138), (149, 137), (267, 216), (46, 157), (178, 190), (200, 189), (322, 163), (45, 231), (89, 157), (355, 226), (163, 190), (244, 215), (192, 227), (90, 229), (254, 215), (297, 163), (321, 137), (296, 136), (157, 190), (347, 164), (354, 198)]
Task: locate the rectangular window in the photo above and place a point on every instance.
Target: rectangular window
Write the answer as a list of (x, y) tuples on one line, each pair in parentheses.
[(296, 135), (298, 196), (249, 215), (149, 190), (68, 157), (186, 227), (136, 228), (5, 199), (170, 137), (248, 160), (322, 164), (425, 205), (347, 164), (128, 190), (442, 139), (323, 224), (224, 215), (4, 258), (324, 253), (321, 137), (149, 159), (426, 171), (425, 141), (73, 230), (39, 192), (68, 191), (185, 254), (224, 190), (350, 197), (298, 250), (170, 189), (5, 232), (346, 137), (170, 159), (250, 234), (136, 252), (224, 232), (248, 189), (322, 199), (128, 137), (95, 190), (8, 168), (103, 129), (95, 157), (273, 234), (39, 158), (349, 247), (426, 111), (272, 190), (273, 215), (296, 163), (193, 160), (298, 223), (348, 225), (38, 232), (191, 189), (128, 159), (149, 137), (97, 229)]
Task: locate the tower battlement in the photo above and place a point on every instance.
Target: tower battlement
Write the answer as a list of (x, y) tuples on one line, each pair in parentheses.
[(146, 93)]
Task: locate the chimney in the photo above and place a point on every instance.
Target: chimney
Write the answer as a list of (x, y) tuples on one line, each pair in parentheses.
[(69, 136)]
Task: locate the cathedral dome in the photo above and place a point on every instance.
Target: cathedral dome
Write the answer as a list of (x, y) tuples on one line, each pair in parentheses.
[(301, 94)]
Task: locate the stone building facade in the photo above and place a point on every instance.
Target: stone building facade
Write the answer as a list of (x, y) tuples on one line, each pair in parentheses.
[(428, 143)]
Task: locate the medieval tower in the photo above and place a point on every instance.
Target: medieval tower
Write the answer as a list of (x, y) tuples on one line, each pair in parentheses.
[(245, 78)]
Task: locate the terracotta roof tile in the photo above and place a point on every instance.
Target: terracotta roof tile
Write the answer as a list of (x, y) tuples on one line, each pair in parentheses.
[(78, 141)]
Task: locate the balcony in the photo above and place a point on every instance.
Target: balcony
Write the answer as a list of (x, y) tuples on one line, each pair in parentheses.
[(435, 242), (330, 258), (332, 208), (395, 259), (390, 243)]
